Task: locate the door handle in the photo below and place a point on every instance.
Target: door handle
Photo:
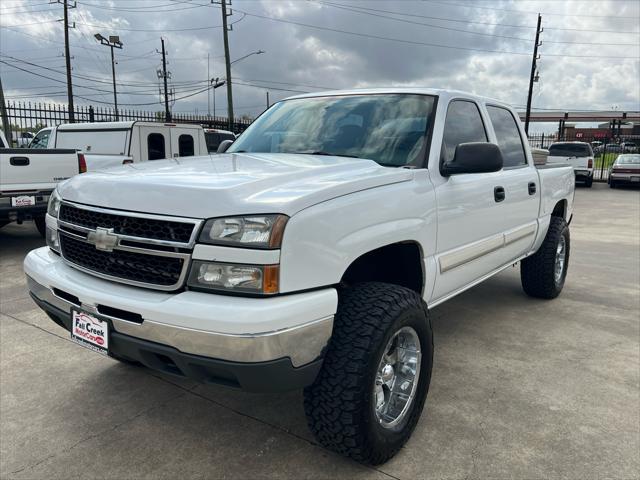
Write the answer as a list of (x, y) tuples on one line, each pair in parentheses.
[(532, 188), (19, 161), (498, 194)]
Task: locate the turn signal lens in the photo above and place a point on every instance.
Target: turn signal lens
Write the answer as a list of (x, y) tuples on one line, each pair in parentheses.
[(257, 279)]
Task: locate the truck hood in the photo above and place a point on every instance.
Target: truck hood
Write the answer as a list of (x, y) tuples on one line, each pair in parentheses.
[(228, 184)]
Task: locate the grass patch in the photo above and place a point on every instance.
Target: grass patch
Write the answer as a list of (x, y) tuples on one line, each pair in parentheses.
[(607, 159)]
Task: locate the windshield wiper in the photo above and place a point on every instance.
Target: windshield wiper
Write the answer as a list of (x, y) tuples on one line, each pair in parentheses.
[(328, 154)]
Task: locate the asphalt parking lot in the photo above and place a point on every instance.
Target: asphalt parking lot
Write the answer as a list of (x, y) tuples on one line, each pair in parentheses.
[(521, 388)]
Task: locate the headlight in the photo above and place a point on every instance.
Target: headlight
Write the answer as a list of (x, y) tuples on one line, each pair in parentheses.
[(54, 204), (255, 231), (52, 239), (258, 279)]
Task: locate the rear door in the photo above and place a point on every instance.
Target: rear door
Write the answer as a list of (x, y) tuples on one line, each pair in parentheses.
[(520, 181)]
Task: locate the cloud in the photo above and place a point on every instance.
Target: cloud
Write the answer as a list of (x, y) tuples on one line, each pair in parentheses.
[(302, 58)]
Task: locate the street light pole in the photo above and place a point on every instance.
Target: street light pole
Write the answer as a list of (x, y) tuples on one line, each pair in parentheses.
[(112, 42), (257, 52)]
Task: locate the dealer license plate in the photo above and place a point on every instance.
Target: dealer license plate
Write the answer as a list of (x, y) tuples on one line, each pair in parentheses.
[(635, 179), (90, 332), (23, 201)]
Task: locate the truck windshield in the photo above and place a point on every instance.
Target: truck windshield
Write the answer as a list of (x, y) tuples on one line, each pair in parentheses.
[(570, 150), (390, 129)]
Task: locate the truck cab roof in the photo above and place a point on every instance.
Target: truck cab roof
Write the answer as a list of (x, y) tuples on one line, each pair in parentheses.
[(120, 125)]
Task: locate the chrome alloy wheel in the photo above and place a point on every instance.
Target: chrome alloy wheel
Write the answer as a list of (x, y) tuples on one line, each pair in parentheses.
[(397, 377), (561, 256)]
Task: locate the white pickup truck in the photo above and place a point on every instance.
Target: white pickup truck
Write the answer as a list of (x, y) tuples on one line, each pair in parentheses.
[(111, 144), (309, 254), (27, 178), (578, 155)]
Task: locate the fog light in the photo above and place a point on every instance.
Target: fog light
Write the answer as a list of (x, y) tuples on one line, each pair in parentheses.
[(52, 239), (260, 279)]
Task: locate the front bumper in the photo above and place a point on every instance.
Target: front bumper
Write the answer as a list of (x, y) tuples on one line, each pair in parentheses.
[(237, 334)]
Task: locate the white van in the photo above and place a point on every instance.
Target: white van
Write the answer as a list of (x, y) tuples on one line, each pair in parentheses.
[(114, 143)]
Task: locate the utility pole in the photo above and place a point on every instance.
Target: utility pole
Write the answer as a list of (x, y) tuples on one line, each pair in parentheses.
[(67, 55), (5, 117), (215, 83), (227, 60), (268, 104), (532, 78), (113, 42), (167, 113), (208, 90)]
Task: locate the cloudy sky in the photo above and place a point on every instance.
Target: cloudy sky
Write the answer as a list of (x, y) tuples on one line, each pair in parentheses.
[(589, 56)]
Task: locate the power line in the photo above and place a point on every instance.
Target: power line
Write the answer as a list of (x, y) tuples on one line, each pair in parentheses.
[(149, 9), (40, 39), (415, 42), (163, 30), (366, 10), (475, 5)]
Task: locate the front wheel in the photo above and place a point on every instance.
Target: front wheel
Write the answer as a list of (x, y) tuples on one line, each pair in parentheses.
[(543, 273), (369, 395)]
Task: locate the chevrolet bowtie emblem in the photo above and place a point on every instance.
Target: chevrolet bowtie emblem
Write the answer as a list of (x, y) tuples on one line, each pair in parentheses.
[(103, 238)]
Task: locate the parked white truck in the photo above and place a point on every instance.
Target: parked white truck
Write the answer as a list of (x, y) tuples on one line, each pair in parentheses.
[(27, 178), (109, 144), (309, 254), (578, 155)]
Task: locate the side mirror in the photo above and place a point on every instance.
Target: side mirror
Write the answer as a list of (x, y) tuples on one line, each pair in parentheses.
[(224, 146), (474, 157)]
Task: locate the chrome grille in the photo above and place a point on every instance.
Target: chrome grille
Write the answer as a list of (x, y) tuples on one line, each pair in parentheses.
[(149, 269), (132, 226), (138, 249)]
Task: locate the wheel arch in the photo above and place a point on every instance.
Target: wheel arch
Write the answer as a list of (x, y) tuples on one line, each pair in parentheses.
[(560, 209), (399, 263)]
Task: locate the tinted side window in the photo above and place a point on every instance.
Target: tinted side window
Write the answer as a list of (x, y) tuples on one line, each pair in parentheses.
[(155, 146), (462, 125), (508, 136), (185, 146), (41, 140)]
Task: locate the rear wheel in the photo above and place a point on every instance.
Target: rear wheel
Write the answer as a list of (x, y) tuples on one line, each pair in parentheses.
[(612, 184), (543, 273), (370, 392), (588, 182)]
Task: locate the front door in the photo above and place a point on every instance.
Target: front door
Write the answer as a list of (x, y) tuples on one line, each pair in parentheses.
[(485, 220)]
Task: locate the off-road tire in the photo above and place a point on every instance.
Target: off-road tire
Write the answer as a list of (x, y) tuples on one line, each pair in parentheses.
[(588, 182), (41, 225), (537, 271), (612, 184), (339, 404)]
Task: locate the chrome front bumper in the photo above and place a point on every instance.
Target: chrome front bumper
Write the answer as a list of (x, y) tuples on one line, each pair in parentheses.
[(169, 320)]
